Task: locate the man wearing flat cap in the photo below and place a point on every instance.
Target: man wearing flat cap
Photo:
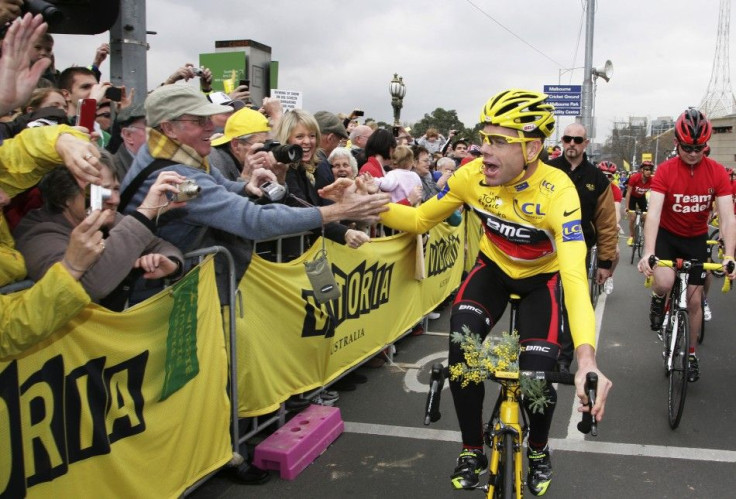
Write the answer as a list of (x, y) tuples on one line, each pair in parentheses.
[(332, 131), (132, 124), (180, 126)]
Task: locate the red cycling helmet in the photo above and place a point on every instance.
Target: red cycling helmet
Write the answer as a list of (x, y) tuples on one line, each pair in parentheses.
[(646, 164), (692, 128), (607, 167)]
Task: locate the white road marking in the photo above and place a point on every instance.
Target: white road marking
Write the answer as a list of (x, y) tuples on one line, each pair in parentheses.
[(570, 445), (575, 416), (411, 378)]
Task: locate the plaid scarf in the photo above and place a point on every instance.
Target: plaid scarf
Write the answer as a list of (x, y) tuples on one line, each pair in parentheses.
[(162, 147)]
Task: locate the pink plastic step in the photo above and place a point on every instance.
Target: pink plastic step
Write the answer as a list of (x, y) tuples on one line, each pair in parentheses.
[(295, 445)]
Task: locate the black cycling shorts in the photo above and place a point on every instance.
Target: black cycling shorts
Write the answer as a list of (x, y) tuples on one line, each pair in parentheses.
[(670, 247), (487, 289), (640, 202)]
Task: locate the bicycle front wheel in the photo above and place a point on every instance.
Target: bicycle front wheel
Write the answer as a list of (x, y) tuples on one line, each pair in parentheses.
[(678, 377), (635, 241), (509, 475)]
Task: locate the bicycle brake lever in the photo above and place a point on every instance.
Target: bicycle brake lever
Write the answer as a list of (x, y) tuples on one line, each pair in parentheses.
[(436, 382), (588, 424)]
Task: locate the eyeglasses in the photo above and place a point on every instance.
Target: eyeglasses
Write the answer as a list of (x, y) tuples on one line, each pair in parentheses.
[(689, 148), (496, 140), (569, 138), (199, 120)]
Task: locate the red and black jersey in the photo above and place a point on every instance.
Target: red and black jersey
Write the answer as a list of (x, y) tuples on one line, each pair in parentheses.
[(638, 186), (689, 194)]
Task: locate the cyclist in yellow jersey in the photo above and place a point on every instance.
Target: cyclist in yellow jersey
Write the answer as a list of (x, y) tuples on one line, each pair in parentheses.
[(534, 247)]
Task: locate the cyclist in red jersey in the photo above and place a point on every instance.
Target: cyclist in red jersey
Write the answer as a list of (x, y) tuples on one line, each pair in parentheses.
[(609, 170), (638, 187), (683, 192)]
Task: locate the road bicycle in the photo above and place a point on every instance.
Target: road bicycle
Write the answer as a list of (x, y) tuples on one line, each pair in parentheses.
[(638, 236), (675, 332), (593, 287), (508, 426)]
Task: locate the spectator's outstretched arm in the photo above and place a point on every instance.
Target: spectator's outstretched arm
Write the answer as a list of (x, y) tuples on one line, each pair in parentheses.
[(28, 156), (186, 72), (9, 10), (29, 317), (351, 203), (17, 77), (101, 54)]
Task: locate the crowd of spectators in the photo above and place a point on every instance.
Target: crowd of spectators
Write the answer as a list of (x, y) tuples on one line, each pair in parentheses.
[(68, 252)]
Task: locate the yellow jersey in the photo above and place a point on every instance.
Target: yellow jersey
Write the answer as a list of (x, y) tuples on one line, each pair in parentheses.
[(530, 227)]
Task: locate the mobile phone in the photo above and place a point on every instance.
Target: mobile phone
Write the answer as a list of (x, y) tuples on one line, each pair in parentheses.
[(245, 83), (358, 112), (86, 113), (396, 131), (115, 93)]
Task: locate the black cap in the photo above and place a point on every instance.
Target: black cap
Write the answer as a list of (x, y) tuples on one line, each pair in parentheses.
[(130, 114)]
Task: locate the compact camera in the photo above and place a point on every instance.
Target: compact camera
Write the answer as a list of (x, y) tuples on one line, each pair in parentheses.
[(197, 71), (97, 196), (284, 153), (273, 191), (187, 190)]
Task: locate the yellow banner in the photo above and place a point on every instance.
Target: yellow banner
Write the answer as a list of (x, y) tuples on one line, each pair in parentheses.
[(627, 166), (289, 344), (129, 404), (647, 156)]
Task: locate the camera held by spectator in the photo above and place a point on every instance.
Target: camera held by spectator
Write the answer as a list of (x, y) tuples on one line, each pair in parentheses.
[(187, 190), (283, 153)]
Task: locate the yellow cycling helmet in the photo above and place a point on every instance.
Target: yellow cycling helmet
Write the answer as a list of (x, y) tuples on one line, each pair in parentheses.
[(522, 110)]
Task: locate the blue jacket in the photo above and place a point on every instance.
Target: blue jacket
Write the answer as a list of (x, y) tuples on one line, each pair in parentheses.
[(222, 206)]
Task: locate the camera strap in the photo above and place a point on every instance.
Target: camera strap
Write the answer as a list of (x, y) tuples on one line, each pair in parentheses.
[(320, 274), (135, 184)]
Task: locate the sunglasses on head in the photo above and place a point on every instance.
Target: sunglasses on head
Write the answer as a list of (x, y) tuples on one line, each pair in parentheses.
[(569, 138), (689, 148)]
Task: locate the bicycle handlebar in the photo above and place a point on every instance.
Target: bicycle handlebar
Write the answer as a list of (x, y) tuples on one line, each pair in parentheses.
[(589, 424), (440, 373), (680, 264), (687, 264)]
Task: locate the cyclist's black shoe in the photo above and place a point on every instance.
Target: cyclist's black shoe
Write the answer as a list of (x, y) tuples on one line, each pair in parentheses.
[(470, 465), (656, 312), (540, 470), (693, 370)]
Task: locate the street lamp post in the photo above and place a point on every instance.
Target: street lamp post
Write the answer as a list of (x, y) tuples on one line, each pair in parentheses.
[(398, 91)]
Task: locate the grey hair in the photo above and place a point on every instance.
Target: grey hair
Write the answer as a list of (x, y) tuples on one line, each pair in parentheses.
[(344, 152)]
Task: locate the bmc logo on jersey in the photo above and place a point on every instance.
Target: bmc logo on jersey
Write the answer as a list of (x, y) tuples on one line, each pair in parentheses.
[(572, 231)]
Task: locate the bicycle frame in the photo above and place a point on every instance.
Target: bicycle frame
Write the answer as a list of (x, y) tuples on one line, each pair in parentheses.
[(504, 421)]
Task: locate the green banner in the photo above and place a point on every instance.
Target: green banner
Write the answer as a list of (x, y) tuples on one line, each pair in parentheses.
[(229, 66)]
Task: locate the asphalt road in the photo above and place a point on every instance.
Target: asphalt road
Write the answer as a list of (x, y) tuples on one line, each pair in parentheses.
[(387, 452)]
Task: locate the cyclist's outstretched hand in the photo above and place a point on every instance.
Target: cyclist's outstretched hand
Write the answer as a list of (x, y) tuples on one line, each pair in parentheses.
[(731, 275), (586, 363), (644, 267)]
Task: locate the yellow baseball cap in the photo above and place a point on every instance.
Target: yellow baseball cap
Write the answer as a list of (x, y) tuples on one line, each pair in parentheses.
[(243, 122)]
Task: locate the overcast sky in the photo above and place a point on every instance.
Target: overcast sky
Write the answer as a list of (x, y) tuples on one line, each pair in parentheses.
[(451, 54)]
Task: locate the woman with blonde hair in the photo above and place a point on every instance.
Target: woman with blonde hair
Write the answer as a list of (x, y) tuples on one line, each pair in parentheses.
[(298, 127)]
